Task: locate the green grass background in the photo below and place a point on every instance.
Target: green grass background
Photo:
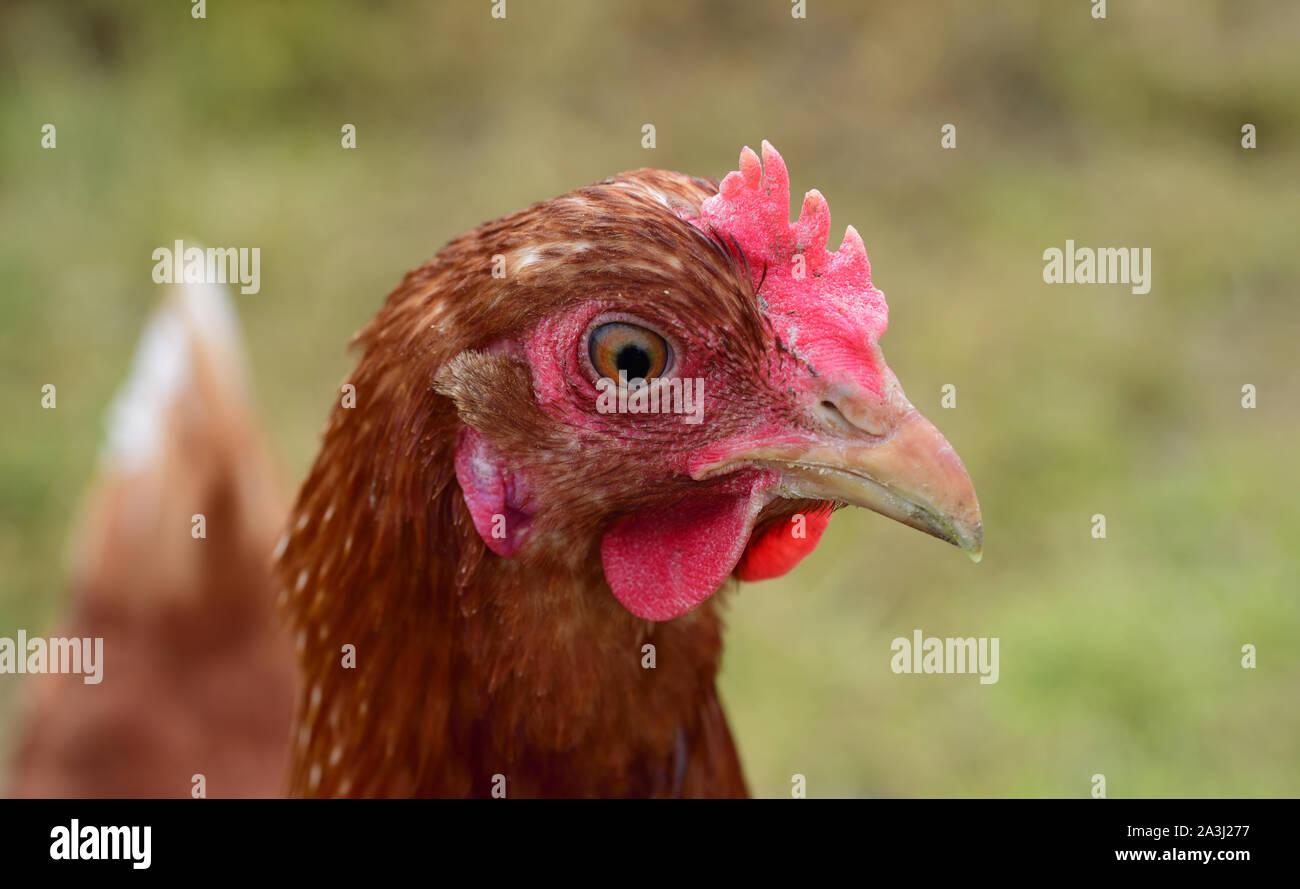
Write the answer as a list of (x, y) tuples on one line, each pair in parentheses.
[(1119, 656)]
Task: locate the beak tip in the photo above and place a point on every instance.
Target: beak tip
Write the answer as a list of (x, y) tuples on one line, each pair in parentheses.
[(974, 543)]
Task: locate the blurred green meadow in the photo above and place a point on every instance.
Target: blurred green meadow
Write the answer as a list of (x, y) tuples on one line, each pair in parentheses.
[(1119, 656)]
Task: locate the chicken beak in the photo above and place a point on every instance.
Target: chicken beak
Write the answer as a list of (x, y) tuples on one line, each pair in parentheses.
[(915, 478), (907, 472)]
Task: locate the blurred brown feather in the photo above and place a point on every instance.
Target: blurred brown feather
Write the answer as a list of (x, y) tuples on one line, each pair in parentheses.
[(197, 677)]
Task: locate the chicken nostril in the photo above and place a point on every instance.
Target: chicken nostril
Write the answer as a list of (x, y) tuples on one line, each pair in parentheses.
[(832, 415)]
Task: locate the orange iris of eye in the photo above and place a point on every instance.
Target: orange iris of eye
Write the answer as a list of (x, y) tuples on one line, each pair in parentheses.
[(619, 346)]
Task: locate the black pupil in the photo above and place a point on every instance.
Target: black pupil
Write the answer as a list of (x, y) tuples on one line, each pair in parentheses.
[(633, 359)]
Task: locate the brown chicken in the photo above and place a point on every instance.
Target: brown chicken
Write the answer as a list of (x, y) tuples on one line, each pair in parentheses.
[(567, 433), (485, 547)]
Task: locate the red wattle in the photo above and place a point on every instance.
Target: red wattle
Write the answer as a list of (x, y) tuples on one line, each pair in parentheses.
[(775, 549), (665, 560)]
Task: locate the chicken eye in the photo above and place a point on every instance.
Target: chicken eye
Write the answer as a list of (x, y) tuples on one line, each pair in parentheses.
[(636, 351)]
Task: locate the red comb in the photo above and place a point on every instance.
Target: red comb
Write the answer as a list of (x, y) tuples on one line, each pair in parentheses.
[(752, 207)]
